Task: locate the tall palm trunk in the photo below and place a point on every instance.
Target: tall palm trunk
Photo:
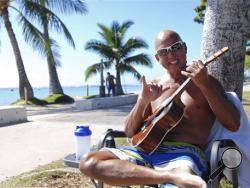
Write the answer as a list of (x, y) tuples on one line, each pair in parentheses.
[(54, 83), (23, 79), (226, 25), (118, 86)]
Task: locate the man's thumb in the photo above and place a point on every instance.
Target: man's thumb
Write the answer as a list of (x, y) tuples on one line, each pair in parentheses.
[(143, 80)]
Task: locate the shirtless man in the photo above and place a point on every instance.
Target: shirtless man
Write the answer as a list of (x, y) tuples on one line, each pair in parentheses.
[(110, 83), (179, 160)]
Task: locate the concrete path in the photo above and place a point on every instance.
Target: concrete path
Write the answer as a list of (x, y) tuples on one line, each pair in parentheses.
[(49, 137)]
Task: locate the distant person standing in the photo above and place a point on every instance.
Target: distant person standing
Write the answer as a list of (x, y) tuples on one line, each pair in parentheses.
[(110, 83)]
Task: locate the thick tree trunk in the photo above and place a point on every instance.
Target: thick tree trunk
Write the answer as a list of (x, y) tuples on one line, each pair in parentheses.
[(226, 24), (118, 86), (23, 79), (54, 83)]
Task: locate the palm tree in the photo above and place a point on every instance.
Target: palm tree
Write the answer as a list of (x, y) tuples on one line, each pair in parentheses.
[(23, 79), (117, 51), (48, 21)]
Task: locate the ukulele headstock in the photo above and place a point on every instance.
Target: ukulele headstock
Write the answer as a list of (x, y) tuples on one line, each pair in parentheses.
[(216, 55)]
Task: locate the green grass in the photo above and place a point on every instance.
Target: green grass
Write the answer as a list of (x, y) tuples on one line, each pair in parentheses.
[(33, 101), (51, 99), (59, 99), (90, 96)]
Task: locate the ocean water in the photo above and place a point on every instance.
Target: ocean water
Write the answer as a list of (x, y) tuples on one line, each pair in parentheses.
[(9, 95)]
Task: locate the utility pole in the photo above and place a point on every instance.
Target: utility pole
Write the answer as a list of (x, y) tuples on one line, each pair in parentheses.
[(102, 87)]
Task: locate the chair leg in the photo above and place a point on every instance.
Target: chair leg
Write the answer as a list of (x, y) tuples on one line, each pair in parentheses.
[(96, 184), (233, 176)]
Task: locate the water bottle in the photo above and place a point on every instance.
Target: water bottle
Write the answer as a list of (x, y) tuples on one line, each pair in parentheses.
[(82, 140)]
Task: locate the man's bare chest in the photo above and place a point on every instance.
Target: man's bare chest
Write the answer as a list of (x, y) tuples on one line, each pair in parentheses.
[(192, 98)]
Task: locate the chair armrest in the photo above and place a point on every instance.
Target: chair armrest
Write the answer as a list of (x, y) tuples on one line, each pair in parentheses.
[(215, 160), (107, 139)]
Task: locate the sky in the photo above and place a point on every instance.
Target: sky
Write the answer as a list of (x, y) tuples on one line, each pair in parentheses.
[(149, 17)]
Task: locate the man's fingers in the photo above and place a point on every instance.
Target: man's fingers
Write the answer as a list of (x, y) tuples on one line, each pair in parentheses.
[(187, 74), (143, 80)]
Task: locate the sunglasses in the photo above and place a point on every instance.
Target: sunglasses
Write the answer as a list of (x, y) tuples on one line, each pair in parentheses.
[(174, 47)]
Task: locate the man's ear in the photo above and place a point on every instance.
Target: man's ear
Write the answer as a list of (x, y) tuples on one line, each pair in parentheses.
[(157, 57), (185, 47)]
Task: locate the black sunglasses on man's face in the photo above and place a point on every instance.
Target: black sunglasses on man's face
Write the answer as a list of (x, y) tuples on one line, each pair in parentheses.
[(174, 47)]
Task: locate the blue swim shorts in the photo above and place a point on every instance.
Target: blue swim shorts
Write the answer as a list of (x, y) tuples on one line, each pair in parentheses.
[(168, 155)]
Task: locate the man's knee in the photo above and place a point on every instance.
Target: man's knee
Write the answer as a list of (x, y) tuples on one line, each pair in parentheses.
[(88, 163)]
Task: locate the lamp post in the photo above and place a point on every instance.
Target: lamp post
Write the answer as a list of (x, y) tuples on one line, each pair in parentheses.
[(102, 87)]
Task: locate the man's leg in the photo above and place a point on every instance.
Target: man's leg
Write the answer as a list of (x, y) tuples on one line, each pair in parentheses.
[(106, 167), (113, 91), (109, 91), (186, 179)]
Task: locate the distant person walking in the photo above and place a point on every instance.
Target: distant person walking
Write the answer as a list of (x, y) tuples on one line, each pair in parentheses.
[(110, 83)]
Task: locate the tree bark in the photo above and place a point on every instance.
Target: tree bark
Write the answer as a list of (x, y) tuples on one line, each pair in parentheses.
[(23, 79), (118, 85), (227, 24), (54, 83)]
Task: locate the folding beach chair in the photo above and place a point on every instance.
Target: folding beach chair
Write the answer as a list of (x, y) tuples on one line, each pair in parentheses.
[(108, 140)]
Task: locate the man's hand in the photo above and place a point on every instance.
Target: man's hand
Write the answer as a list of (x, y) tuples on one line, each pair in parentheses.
[(197, 72), (150, 92)]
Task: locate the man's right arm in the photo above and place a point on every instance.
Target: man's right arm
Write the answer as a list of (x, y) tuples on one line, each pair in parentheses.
[(141, 110), (135, 118)]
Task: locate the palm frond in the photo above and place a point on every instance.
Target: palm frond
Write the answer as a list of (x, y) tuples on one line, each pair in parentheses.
[(55, 49), (32, 35), (92, 70), (139, 59), (125, 25), (129, 69), (132, 44), (106, 34), (68, 7), (116, 35), (107, 64), (43, 16), (100, 48), (33, 10), (58, 25)]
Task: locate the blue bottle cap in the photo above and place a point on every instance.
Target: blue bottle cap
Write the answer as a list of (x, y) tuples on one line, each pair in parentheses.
[(82, 131)]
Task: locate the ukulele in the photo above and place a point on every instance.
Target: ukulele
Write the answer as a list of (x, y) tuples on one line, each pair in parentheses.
[(166, 117)]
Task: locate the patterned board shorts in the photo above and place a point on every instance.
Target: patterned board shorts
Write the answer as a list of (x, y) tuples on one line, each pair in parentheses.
[(168, 155)]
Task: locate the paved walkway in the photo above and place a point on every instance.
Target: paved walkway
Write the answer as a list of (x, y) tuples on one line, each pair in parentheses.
[(49, 137)]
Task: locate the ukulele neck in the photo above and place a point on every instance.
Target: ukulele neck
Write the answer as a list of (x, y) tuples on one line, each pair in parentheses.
[(188, 80)]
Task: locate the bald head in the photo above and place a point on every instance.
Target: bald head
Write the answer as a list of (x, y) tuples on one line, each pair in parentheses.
[(166, 38)]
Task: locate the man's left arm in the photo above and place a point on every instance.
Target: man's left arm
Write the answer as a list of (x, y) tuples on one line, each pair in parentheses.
[(223, 109), (215, 95)]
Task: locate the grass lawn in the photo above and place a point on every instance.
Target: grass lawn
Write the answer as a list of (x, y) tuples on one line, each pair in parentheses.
[(55, 175)]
